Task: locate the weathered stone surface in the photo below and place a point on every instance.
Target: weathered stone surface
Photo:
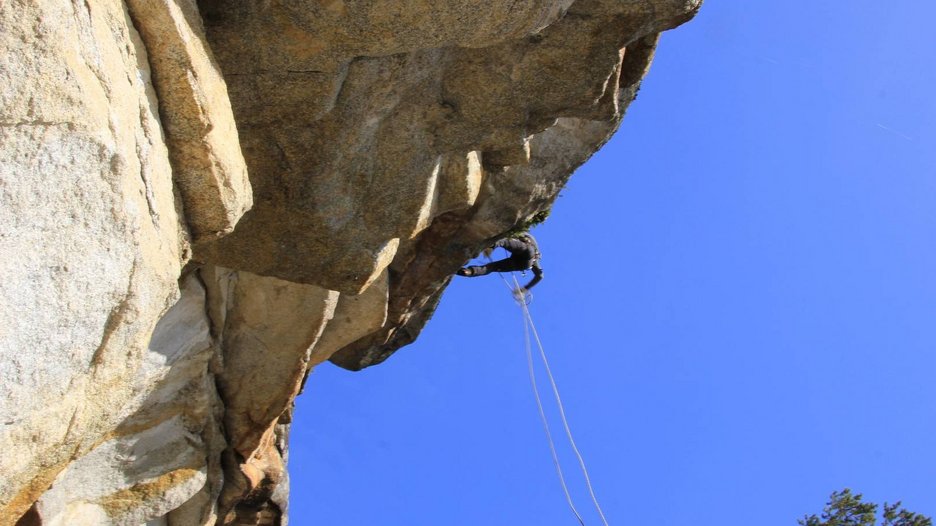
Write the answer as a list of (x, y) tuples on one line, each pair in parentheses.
[(208, 166), (420, 274), (354, 318), (311, 33), (385, 144), (339, 185), (150, 474), (459, 183), (91, 239), (268, 328), (168, 444)]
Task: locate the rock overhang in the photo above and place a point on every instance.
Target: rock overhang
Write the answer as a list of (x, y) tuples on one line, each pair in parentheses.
[(330, 163)]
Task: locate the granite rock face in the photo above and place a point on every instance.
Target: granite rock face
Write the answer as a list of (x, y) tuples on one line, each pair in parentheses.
[(354, 116), (200, 201)]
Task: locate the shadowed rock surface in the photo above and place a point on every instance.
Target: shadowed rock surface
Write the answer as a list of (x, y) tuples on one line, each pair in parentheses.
[(202, 201)]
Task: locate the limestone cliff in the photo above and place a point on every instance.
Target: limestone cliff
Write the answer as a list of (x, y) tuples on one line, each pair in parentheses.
[(202, 201)]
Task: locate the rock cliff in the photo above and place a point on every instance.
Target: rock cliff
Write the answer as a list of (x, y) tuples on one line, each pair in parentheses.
[(202, 201)]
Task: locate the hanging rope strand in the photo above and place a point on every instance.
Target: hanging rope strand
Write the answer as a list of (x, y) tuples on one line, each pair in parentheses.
[(506, 283), (539, 405), (555, 389), (528, 325)]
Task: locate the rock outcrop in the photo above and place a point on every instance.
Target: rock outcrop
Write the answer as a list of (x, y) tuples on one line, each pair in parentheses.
[(202, 201)]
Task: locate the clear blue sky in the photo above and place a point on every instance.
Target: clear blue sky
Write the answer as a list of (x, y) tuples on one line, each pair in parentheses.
[(739, 305)]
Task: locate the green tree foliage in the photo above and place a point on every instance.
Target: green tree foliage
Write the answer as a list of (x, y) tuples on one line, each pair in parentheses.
[(846, 509), (528, 223)]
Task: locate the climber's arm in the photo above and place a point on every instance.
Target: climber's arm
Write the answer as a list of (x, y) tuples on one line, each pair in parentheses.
[(537, 276)]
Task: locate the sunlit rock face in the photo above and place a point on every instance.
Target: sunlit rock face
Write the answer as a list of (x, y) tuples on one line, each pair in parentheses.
[(201, 201)]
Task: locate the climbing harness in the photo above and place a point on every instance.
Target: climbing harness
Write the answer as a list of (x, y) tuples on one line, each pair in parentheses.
[(528, 328)]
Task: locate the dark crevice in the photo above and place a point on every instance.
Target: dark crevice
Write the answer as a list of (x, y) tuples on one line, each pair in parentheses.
[(31, 517)]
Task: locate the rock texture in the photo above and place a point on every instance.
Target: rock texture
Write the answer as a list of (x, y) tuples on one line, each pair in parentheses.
[(201, 201), (92, 241), (208, 167)]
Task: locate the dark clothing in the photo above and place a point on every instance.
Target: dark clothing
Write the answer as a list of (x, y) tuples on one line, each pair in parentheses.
[(522, 246), (524, 255)]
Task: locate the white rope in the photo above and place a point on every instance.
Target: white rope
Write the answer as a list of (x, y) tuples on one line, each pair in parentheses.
[(528, 321), (539, 405), (527, 326), (539, 401)]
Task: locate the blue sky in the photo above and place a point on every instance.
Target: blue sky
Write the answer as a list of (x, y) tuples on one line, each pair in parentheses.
[(739, 305)]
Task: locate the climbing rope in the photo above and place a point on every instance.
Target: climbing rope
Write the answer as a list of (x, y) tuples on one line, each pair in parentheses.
[(527, 295), (542, 413), (529, 326)]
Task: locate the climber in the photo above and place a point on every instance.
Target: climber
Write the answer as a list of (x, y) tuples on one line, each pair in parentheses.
[(524, 255)]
